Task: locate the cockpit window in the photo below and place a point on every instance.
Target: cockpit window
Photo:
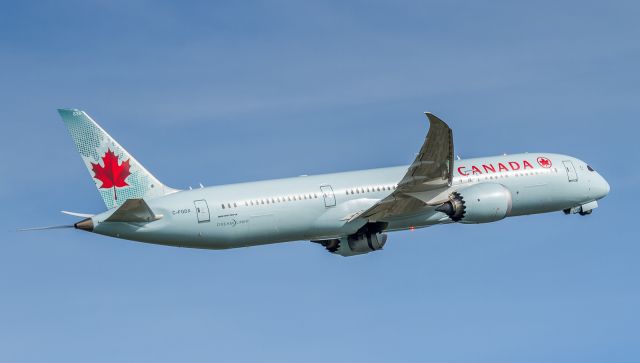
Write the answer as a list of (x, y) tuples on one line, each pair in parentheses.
[(590, 168)]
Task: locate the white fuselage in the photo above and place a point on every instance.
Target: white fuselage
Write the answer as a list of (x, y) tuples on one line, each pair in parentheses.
[(321, 206)]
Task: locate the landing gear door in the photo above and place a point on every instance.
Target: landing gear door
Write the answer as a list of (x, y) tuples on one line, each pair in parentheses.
[(329, 197), (571, 171), (202, 210)]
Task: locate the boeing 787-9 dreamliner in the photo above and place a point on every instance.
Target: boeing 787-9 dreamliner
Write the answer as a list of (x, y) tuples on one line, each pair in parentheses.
[(349, 213)]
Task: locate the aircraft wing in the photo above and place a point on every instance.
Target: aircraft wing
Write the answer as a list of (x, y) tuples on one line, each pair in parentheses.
[(429, 175)]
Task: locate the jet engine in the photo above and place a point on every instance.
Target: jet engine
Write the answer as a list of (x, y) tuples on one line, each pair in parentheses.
[(356, 244), (480, 203)]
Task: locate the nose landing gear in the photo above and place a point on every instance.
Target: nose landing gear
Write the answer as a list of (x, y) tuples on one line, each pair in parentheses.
[(583, 210)]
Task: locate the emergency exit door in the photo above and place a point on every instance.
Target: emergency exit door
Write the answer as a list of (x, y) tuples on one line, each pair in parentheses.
[(202, 210), (571, 171)]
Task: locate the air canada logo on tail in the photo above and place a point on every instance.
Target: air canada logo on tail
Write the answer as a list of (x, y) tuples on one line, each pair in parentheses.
[(544, 162), (113, 174)]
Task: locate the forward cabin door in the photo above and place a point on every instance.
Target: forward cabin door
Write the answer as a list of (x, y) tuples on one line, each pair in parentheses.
[(329, 197), (202, 210), (571, 171)]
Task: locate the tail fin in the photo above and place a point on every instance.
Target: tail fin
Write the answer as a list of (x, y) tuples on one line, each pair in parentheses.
[(118, 176)]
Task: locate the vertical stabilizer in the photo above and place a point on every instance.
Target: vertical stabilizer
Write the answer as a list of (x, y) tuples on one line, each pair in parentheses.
[(118, 176)]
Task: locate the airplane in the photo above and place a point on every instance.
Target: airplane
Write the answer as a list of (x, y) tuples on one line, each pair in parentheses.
[(348, 213)]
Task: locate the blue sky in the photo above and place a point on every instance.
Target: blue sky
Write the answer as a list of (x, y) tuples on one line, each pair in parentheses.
[(227, 92)]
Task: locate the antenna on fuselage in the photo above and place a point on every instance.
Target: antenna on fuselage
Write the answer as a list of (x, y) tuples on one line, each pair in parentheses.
[(457, 157), (201, 186)]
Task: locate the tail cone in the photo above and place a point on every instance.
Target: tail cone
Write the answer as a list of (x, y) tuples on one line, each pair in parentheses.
[(85, 225)]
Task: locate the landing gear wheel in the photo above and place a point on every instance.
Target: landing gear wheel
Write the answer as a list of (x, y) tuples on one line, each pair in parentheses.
[(586, 213)]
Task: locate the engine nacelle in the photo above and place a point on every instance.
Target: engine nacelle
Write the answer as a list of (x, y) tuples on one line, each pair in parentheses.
[(480, 203), (356, 244)]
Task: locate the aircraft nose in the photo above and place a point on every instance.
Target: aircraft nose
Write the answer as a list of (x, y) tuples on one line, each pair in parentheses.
[(602, 188)]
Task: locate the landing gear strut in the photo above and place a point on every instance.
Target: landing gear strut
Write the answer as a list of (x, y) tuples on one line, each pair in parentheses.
[(583, 210)]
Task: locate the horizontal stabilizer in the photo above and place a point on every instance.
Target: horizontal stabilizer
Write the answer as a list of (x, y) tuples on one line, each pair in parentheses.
[(74, 214), (133, 210)]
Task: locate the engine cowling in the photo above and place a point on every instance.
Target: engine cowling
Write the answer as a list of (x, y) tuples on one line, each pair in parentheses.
[(480, 203), (355, 244)]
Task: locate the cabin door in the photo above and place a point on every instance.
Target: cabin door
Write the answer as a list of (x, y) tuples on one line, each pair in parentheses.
[(329, 197), (202, 210), (571, 171)]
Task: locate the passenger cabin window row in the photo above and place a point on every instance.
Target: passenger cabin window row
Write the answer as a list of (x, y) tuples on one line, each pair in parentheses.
[(299, 197), (381, 188), (370, 189), (269, 200), (500, 175)]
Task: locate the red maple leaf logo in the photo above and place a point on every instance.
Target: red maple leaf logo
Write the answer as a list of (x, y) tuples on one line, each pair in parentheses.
[(111, 174), (544, 162)]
